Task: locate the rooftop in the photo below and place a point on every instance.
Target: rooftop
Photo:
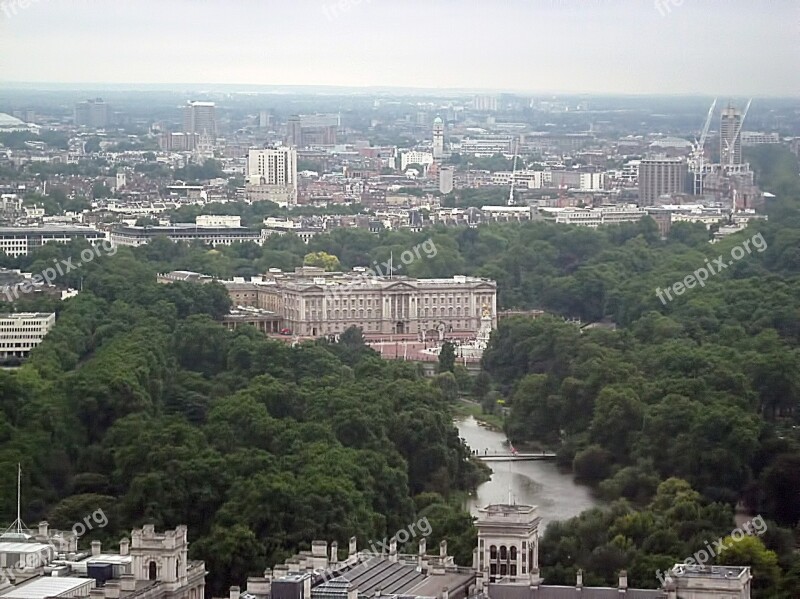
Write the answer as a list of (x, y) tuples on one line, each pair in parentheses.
[(47, 586)]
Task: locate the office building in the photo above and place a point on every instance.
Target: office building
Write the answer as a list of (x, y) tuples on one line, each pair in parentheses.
[(200, 118), (20, 241), (661, 176), (91, 113), (589, 217), (730, 140), (755, 138), (446, 179), (307, 130), (22, 331), (438, 138), (272, 175), (184, 232), (487, 145)]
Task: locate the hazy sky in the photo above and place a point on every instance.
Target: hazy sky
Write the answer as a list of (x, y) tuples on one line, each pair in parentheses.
[(726, 47)]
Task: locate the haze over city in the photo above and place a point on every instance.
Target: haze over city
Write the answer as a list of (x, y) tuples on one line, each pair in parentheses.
[(584, 46), (399, 299)]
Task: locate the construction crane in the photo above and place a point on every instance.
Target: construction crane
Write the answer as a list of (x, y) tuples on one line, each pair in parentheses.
[(730, 146), (698, 152)]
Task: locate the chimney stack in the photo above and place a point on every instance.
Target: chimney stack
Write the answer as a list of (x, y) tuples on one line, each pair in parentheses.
[(445, 593), (623, 580), (443, 548), (334, 552), (352, 549), (235, 592), (43, 528), (96, 548), (127, 582), (579, 582), (124, 546), (393, 549)]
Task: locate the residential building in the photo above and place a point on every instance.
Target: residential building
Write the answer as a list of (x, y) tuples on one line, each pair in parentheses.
[(22, 331), (438, 138), (20, 241), (425, 159), (485, 103), (91, 113), (661, 176), (730, 140), (446, 179), (523, 179), (178, 142), (200, 118), (272, 175)]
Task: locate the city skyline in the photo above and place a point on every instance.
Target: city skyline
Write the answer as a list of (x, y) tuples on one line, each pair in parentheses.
[(549, 46)]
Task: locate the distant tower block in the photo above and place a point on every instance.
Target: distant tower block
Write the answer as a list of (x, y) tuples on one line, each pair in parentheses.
[(730, 140), (438, 138), (446, 179)]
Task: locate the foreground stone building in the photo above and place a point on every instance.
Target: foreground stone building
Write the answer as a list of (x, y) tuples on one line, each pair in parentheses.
[(149, 565), (505, 566)]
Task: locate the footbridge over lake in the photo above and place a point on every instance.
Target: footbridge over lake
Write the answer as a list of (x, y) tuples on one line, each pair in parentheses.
[(519, 456)]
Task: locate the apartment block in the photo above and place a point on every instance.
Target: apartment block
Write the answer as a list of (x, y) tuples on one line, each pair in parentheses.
[(661, 176)]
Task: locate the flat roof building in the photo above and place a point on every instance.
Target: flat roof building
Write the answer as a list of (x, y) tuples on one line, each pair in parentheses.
[(183, 232), (20, 332), (661, 176), (20, 241)]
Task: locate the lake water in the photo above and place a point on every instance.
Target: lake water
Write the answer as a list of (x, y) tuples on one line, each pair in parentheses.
[(538, 483)]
